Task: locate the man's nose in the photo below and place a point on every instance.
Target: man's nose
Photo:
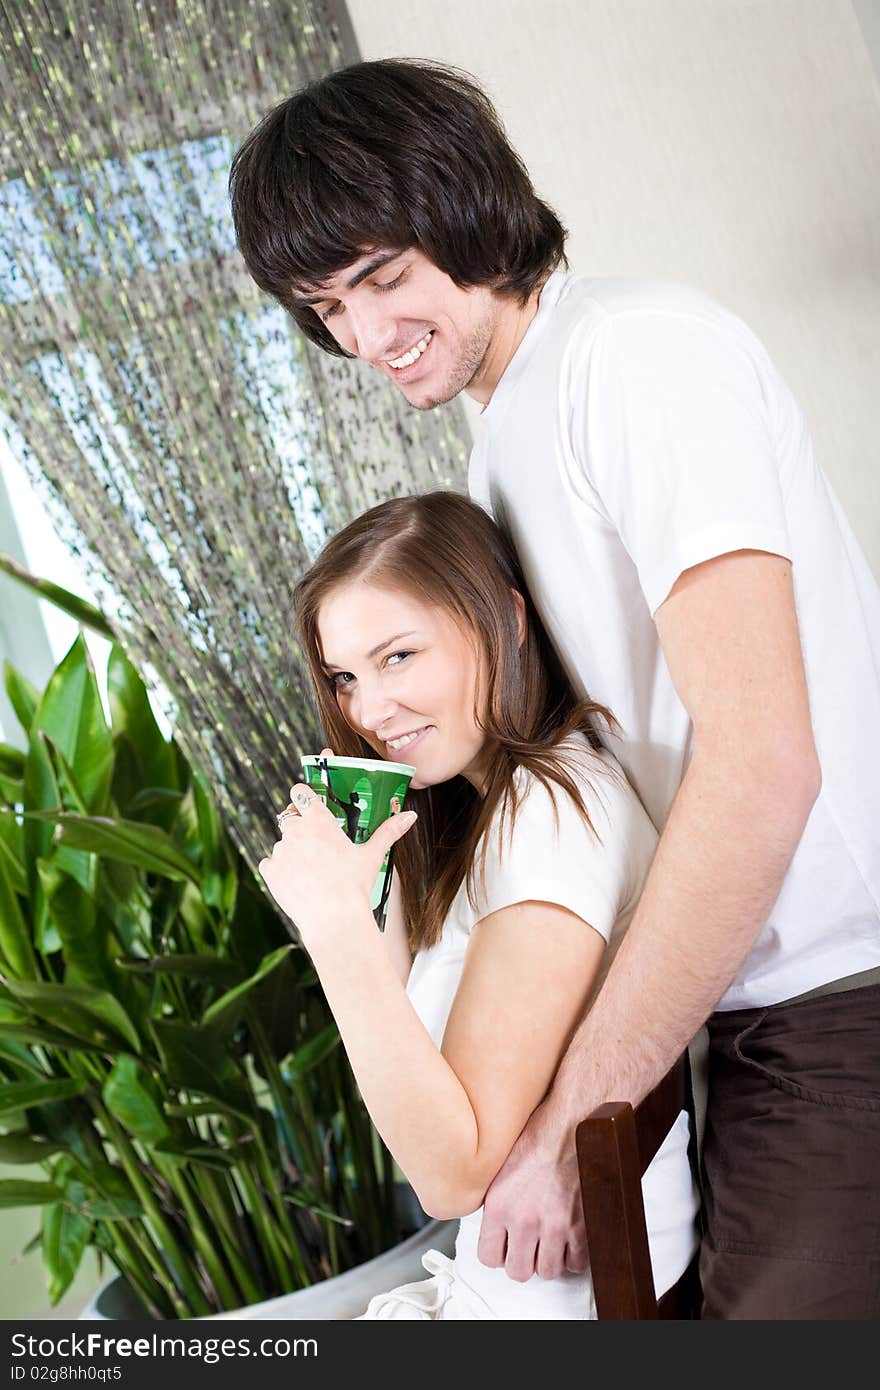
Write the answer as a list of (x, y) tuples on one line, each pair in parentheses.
[(373, 329)]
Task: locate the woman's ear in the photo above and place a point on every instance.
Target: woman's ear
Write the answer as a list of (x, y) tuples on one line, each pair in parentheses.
[(520, 605)]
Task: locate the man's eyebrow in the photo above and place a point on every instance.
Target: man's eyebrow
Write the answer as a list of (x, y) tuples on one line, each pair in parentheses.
[(374, 651), (369, 269)]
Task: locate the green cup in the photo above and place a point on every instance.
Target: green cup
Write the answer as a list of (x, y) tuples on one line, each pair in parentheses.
[(362, 793)]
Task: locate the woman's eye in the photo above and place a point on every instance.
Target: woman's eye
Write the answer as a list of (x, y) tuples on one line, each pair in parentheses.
[(340, 680), (328, 313), (397, 657)]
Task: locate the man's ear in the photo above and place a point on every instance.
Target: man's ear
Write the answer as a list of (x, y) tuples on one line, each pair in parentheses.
[(520, 604)]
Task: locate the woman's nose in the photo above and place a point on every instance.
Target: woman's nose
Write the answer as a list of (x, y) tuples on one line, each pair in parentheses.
[(373, 710)]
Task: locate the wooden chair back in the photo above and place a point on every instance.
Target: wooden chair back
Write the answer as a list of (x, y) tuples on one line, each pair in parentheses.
[(615, 1145)]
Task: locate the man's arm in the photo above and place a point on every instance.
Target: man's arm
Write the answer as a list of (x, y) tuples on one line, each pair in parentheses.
[(730, 638)]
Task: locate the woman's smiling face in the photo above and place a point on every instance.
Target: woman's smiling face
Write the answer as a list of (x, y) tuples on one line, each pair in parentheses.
[(405, 678)]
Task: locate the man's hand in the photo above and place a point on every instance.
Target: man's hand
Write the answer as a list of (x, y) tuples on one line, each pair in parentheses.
[(730, 638), (533, 1221)]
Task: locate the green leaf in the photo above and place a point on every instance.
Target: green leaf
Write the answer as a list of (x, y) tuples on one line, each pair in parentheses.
[(81, 929), (22, 1147), (100, 1189), (277, 1004), (210, 829), (314, 1051), (93, 1014), (18, 1025), (68, 1122), (71, 714), (205, 967), (194, 1108), (15, 938), (11, 791), (66, 1234), (196, 1059), (78, 608), (226, 1011), (11, 762), (36, 1034), (23, 697), (127, 778), (21, 1057), (203, 1154), (41, 792), (255, 929), (20, 1095), (148, 797), (197, 918), (145, 846), (71, 795), (11, 850), (132, 715), (10, 1012), (301, 1198), (112, 1208), (127, 1095), (16, 1192), (212, 890), (123, 898)]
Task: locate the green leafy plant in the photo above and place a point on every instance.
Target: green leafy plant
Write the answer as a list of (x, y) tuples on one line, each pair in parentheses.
[(166, 1053)]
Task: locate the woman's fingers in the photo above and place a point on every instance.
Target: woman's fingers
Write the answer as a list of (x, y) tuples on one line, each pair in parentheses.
[(303, 798)]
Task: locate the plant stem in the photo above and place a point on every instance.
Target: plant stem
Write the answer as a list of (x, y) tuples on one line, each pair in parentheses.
[(129, 1260), (320, 1176), (308, 1130), (181, 1260), (226, 1296), (368, 1217), (217, 1207), (273, 1252)]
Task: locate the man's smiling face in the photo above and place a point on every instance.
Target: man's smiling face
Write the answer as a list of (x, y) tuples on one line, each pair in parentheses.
[(411, 321)]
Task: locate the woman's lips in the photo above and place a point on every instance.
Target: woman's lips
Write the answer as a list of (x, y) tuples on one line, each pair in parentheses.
[(400, 753)]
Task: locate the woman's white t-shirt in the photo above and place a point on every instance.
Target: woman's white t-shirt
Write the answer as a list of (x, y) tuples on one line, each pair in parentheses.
[(551, 855)]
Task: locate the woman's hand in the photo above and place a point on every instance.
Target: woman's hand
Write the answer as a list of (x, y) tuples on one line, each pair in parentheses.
[(316, 875)]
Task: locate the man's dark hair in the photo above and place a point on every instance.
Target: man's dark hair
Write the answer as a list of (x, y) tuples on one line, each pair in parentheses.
[(389, 154)]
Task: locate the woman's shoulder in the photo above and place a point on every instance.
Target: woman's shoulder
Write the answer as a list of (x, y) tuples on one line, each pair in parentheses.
[(543, 847), (607, 795)]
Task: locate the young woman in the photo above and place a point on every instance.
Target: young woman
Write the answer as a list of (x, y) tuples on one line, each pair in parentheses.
[(518, 864)]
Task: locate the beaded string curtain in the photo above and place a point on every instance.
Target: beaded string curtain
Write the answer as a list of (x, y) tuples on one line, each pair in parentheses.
[(191, 446)]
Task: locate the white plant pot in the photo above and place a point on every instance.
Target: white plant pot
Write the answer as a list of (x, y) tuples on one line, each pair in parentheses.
[(339, 1299)]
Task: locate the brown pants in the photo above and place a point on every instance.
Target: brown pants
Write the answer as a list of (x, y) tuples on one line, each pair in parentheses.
[(791, 1160)]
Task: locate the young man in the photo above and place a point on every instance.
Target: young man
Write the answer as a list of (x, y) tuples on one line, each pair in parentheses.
[(699, 578)]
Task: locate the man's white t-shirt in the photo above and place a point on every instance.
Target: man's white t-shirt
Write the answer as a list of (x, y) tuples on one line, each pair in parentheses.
[(640, 429), (553, 856)]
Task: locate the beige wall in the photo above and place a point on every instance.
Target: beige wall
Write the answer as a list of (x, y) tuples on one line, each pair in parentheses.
[(732, 144)]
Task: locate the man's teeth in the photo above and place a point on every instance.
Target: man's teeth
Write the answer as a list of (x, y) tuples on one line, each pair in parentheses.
[(398, 743), (414, 353)]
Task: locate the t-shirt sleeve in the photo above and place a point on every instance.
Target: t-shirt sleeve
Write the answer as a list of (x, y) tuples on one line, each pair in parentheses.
[(560, 859), (678, 435)]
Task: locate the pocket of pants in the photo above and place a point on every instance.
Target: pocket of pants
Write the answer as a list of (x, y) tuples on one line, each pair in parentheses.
[(843, 1100)]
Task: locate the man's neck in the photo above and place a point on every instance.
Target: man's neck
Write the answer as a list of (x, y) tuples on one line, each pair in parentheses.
[(511, 326)]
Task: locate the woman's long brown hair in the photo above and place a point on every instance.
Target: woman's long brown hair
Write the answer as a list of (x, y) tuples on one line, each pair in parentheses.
[(446, 551)]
